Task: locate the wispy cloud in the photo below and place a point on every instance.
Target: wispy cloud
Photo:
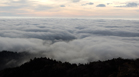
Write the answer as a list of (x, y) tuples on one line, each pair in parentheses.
[(62, 6), (90, 3), (42, 8), (133, 4), (101, 5), (76, 0)]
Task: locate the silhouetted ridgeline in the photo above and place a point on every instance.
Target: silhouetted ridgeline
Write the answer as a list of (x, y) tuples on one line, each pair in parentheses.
[(45, 67), (12, 59)]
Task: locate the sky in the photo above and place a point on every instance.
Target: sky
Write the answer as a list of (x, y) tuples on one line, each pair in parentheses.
[(70, 8)]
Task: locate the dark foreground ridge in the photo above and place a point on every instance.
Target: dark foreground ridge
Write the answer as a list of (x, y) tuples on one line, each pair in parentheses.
[(45, 67), (10, 59)]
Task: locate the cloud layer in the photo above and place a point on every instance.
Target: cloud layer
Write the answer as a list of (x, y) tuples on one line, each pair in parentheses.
[(73, 40)]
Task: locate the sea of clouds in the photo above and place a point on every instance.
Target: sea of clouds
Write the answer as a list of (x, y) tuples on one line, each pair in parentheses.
[(71, 39)]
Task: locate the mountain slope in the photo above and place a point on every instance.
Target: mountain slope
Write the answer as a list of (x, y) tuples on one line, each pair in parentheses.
[(45, 67)]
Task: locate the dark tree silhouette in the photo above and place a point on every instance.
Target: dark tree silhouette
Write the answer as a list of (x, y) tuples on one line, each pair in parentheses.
[(45, 67), (10, 59)]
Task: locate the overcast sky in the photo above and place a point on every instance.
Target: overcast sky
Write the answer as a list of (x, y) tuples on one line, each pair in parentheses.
[(70, 8)]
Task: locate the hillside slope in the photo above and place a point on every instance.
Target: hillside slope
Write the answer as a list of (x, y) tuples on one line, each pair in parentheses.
[(45, 67)]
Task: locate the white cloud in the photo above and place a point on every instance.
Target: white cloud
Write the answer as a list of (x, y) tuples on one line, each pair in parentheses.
[(73, 40)]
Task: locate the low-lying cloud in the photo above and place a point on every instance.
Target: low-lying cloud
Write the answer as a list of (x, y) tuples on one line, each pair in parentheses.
[(72, 40)]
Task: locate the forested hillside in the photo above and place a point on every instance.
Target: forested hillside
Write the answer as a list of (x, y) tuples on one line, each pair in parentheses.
[(46, 67)]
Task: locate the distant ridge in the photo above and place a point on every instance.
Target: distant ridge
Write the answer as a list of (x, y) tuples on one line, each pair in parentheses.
[(45, 67)]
